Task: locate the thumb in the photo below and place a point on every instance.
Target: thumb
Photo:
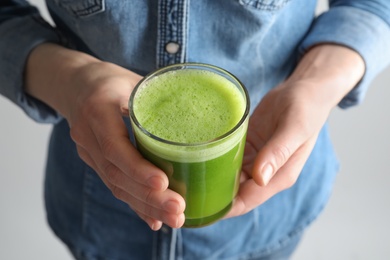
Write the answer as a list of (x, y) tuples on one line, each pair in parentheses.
[(274, 154)]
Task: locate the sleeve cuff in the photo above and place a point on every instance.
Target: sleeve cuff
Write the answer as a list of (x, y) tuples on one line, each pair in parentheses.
[(359, 30), (18, 37)]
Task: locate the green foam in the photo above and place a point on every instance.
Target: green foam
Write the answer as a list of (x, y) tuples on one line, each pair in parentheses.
[(189, 106)]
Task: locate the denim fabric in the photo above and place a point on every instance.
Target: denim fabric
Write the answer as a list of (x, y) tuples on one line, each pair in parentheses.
[(260, 41)]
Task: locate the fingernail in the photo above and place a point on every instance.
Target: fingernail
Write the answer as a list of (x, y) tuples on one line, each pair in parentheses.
[(180, 220), (156, 225), (153, 226), (267, 173)]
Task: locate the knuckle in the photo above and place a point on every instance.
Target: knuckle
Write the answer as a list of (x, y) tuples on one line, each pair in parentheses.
[(75, 134), (282, 154), (107, 145), (81, 152), (148, 204), (85, 157), (146, 209), (117, 192), (112, 174), (149, 196)]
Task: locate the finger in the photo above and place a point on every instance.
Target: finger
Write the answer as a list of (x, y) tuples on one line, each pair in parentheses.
[(89, 151), (247, 198), (115, 179), (154, 224), (115, 146), (120, 183), (167, 200), (158, 205), (286, 140), (151, 206), (251, 195)]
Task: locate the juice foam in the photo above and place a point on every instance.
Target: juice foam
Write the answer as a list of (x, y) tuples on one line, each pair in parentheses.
[(189, 107)]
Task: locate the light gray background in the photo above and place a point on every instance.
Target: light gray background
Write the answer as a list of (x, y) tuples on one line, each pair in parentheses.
[(353, 226)]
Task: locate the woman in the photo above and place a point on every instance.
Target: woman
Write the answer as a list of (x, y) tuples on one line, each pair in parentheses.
[(103, 199)]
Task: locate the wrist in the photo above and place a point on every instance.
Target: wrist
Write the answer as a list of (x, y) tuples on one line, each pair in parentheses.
[(49, 71), (332, 71)]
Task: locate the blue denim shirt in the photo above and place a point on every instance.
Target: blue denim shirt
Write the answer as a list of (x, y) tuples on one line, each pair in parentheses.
[(260, 41)]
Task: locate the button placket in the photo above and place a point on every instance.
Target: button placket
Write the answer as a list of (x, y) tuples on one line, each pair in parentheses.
[(162, 248), (171, 49), (166, 246), (172, 27)]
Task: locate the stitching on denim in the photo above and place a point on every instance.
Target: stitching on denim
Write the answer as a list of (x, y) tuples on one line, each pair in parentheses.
[(263, 5), (172, 27), (88, 11), (83, 9)]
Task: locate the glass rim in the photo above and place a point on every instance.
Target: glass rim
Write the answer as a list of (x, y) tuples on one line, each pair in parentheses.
[(182, 66)]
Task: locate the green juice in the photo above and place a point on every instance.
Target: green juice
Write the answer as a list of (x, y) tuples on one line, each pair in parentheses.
[(191, 123)]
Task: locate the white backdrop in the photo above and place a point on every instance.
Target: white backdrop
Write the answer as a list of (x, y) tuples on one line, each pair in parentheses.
[(353, 226)]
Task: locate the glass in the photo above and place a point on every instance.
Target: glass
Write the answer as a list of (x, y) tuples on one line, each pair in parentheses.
[(195, 133)]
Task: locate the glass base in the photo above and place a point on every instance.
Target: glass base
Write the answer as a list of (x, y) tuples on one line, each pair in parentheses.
[(201, 222)]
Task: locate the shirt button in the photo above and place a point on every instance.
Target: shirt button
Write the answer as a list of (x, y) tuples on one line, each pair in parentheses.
[(172, 47)]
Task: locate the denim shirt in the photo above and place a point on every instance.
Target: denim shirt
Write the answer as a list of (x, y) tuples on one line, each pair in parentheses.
[(259, 41)]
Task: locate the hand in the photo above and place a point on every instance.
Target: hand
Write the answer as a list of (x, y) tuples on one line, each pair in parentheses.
[(281, 134), (102, 142), (284, 127), (93, 96)]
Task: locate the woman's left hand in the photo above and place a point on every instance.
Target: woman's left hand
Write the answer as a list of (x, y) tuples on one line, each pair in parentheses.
[(285, 125)]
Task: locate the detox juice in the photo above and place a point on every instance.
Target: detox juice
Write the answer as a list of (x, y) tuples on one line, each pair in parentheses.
[(190, 120)]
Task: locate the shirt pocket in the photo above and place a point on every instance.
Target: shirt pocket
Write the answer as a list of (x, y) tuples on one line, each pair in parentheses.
[(266, 5), (82, 8)]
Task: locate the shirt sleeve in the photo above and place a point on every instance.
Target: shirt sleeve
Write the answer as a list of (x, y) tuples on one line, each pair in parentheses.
[(21, 29), (362, 25)]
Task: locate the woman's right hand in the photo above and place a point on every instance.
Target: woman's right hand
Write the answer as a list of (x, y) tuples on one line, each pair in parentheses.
[(93, 95)]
